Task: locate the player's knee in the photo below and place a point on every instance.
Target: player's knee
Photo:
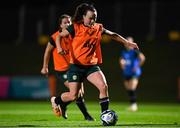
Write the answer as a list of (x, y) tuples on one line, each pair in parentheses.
[(73, 97), (103, 87)]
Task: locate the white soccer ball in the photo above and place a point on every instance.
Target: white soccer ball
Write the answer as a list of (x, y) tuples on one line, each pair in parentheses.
[(109, 118)]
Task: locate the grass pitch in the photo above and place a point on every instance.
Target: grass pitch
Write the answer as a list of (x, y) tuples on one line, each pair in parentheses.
[(39, 114)]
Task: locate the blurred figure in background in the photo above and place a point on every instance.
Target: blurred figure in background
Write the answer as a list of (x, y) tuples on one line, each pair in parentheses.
[(61, 65), (130, 62)]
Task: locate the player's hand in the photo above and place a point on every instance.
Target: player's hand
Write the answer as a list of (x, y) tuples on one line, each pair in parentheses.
[(61, 52), (44, 71), (132, 45)]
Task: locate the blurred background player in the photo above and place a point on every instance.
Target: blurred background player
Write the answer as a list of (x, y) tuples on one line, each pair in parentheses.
[(85, 54), (61, 64), (130, 62)]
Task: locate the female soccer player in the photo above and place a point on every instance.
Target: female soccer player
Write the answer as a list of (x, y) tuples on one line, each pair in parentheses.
[(61, 64), (85, 54), (131, 61)]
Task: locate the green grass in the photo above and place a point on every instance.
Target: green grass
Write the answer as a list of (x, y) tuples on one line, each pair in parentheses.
[(39, 114)]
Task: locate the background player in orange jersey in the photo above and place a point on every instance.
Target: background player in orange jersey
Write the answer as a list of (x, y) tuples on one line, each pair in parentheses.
[(85, 54), (61, 64)]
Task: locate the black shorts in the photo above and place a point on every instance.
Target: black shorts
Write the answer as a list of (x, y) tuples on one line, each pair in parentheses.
[(130, 77), (62, 75), (77, 73)]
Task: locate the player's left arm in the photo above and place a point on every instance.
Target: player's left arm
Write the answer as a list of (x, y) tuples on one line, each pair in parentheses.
[(122, 62), (119, 38)]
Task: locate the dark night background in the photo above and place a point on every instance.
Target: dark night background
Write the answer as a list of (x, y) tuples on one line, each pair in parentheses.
[(155, 26)]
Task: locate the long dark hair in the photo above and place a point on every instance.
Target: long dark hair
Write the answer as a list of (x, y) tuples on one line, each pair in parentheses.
[(61, 18), (82, 10)]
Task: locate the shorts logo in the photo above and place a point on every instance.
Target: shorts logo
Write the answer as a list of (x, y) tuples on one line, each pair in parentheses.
[(74, 77), (65, 76)]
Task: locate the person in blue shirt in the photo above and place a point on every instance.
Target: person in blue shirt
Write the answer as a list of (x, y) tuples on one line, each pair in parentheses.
[(130, 62)]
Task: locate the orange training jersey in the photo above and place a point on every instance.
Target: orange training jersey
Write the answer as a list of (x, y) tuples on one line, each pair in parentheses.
[(61, 63), (86, 49)]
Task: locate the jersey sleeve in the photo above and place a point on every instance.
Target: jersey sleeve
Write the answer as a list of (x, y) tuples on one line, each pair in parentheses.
[(71, 30), (52, 42)]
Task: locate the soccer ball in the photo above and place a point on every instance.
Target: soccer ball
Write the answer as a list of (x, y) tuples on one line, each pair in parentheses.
[(109, 118)]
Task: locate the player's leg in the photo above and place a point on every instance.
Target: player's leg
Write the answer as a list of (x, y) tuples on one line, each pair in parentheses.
[(75, 78), (82, 106), (80, 102), (62, 76), (131, 86), (72, 95), (68, 97), (98, 79)]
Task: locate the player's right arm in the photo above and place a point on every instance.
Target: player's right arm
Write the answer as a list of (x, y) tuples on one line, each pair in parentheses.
[(46, 58), (142, 58), (64, 33)]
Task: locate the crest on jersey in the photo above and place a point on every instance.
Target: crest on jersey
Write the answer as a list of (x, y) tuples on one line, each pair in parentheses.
[(74, 77)]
